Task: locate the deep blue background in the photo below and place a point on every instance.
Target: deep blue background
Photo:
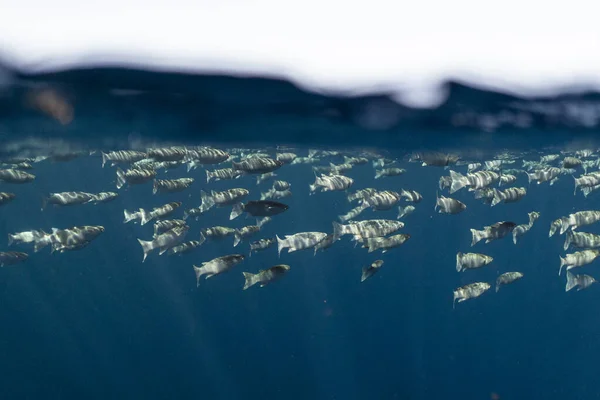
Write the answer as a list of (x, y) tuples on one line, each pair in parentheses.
[(97, 323)]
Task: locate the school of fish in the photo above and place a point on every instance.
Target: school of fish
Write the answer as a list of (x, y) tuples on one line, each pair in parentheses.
[(488, 181)]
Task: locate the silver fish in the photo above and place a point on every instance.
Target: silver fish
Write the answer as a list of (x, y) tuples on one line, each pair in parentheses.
[(12, 258), (371, 270), (580, 281), (506, 278), (217, 266), (470, 291), (266, 276)]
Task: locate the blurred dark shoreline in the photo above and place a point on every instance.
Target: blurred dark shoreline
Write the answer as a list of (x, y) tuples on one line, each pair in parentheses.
[(113, 106)]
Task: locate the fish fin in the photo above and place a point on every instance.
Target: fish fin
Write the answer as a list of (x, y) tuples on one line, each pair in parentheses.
[(477, 236), (458, 263), (237, 237), (120, 178), (128, 216), (236, 211), (145, 217), (280, 245), (199, 271), (571, 281), (338, 230), (563, 262), (497, 197), (146, 247), (250, 280)]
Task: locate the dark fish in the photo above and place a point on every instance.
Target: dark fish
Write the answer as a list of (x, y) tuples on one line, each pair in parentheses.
[(12, 257), (258, 208)]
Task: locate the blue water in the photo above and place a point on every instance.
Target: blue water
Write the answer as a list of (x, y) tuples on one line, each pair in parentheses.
[(99, 323)]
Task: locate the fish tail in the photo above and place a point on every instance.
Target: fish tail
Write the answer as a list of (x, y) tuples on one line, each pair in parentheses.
[(236, 211), (458, 261), (564, 226), (120, 178), (568, 239), (261, 221), (364, 275), (514, 237), (497, 197), (154, 187), (458, 181), (237, 237), (104, 158), (146, 247), (146, 217), (208, 176), (338, 230), (477, 236), (202, 238), (250, 280), (280, 245), (571, 281), (11, 238), (563, 262), (199, 271), (531, 177), (128, 216), (207, 201)]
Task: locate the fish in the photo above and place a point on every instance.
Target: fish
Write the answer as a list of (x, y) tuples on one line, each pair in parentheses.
[(186, 247), (164, 241), (261, 244), (67, 199), (265, 277), (299, 241), (492, 232), (217, 266), (12, 258), (470, 291), (466, 261), (122, 157), (243, 233), (447, 205), (367, 228), (134, 176), (506, 278), (258, 208), (389, 172), (386, 243), (6, 197), (257, 165), (171, 185), (580, 281), (371, 270), (15, 176)]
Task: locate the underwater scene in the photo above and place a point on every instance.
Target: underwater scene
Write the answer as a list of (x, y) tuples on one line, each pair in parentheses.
[(167, 236)]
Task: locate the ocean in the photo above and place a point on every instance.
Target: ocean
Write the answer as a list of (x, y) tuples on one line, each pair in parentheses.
[(99, 323)]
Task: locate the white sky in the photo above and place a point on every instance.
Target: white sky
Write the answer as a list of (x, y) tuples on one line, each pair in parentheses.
[(522, 45)]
